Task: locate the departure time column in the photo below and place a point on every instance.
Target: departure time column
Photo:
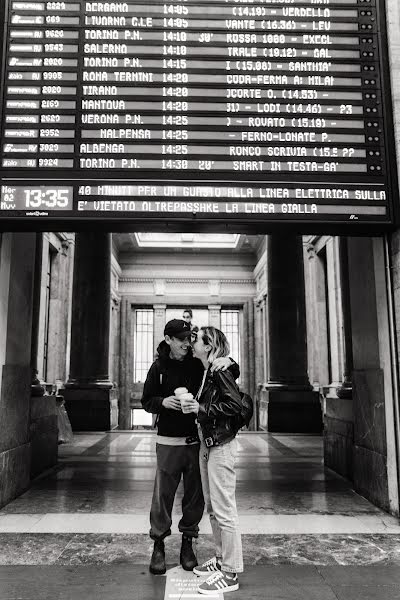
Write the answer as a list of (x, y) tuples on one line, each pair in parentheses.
[(175, 92)]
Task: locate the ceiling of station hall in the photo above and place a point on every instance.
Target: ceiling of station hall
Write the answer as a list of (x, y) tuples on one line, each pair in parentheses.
[(186, 242)]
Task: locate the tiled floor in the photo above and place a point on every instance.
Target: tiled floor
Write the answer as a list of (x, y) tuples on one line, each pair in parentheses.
[(82, 529)]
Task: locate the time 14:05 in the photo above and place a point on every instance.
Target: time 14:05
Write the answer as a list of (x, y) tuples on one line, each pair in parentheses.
[(50, 198)]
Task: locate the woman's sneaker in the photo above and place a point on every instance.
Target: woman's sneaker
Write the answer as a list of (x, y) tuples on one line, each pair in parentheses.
[(219, 582), (210, 565)]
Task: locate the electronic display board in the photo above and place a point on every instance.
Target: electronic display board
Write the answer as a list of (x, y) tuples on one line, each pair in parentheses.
[(197, 112)]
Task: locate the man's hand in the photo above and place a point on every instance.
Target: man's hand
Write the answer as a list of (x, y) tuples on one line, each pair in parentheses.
[(221, 364), (172, 402)]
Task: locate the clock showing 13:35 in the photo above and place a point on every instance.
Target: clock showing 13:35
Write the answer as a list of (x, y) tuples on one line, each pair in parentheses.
[(58, 198)]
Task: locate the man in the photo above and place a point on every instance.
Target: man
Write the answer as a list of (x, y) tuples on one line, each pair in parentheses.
[(188, 316), (177, 446)]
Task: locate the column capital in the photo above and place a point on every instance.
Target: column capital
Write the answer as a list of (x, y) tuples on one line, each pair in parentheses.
[(159, 287), (116, 300), (311, 253), (65, 245), (214, 286)]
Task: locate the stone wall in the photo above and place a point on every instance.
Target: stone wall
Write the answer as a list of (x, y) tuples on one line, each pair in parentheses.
[(17, 257), (393, 21)]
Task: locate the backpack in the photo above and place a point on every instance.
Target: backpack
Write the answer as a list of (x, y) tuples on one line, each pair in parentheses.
[(246, 413)]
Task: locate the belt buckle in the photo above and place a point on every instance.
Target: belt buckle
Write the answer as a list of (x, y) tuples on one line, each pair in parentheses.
[(209, 442)]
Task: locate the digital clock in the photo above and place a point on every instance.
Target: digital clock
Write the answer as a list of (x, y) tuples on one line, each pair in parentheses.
[(16, 197)]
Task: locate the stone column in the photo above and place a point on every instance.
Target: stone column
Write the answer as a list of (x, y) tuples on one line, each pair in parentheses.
[(258, 343), (292, 404), (264, 312), (36, 388), (345, 390), (251, 360), (88, 399), (214, 315), (125, 365), (338, 417), (371, 378), (159, 323), (262, 394), (244, 348), (66, 250)]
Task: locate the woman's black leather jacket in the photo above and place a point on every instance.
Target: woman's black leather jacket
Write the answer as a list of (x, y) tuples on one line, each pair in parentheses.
[(219, 404)]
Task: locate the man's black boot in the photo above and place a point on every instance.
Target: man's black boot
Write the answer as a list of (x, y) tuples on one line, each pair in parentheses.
[(157, 563), (188, 558)]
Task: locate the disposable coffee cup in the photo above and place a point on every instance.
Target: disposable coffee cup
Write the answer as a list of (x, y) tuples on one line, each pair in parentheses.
[(179, 391), (185, 402)]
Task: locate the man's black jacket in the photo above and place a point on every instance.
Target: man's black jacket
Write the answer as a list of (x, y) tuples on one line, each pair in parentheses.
[(164, 376)]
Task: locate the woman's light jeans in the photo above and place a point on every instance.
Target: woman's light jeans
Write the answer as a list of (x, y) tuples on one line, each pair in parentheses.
[(218, 477)]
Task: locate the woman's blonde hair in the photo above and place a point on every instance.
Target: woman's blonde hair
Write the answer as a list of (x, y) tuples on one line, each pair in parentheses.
[(218, 342)]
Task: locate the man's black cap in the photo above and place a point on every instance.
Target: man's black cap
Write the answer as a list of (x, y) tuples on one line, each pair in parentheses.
[(177, 328)]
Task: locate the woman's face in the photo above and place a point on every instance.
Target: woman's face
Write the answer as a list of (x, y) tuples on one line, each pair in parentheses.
[(200, 349)]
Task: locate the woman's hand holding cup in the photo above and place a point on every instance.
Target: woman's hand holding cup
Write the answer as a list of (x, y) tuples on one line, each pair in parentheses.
[(188, 403)]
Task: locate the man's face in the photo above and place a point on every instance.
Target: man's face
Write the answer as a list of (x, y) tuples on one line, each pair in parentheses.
[(178, 348), (186, 317)]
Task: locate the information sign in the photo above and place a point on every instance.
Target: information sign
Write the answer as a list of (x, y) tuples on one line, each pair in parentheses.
[(197, 112)]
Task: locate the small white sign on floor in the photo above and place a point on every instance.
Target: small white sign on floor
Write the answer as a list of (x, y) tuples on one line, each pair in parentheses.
[(182, 585)]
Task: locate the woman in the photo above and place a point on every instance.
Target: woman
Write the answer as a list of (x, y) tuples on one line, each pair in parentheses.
[(217, 404)]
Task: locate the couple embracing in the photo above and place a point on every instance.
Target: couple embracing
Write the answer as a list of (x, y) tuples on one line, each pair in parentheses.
[(198, 443)]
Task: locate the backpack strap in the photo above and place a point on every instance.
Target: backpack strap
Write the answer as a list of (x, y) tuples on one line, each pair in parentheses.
[(161, 382)]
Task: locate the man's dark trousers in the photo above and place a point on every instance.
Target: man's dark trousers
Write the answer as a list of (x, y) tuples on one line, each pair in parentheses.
[(172, 463)]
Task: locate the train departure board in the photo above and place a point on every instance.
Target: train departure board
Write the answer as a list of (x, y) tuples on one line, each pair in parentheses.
[(196, 113)]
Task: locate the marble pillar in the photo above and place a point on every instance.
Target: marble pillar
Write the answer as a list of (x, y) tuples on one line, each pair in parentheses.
[(90, 404), (293, 406), (65, 315), (43, 427), (345, 390), (36, 388), (125, 366), (251, 360), (245, 349), (339, 417), (369, 394)]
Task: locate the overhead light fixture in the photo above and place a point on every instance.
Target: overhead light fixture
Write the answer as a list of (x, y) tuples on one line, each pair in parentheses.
[(187, 240)]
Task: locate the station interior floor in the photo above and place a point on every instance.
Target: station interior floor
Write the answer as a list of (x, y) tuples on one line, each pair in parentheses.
[(81, 531)]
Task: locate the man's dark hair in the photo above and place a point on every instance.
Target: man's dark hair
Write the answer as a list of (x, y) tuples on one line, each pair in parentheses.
[(188, 310)]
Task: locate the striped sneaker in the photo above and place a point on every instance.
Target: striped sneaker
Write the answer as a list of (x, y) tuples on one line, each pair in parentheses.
[(219, 582), (213, 564)]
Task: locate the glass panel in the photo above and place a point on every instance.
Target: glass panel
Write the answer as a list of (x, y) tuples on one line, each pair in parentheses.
[(230, 327), (144, 352), (140, 419)]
